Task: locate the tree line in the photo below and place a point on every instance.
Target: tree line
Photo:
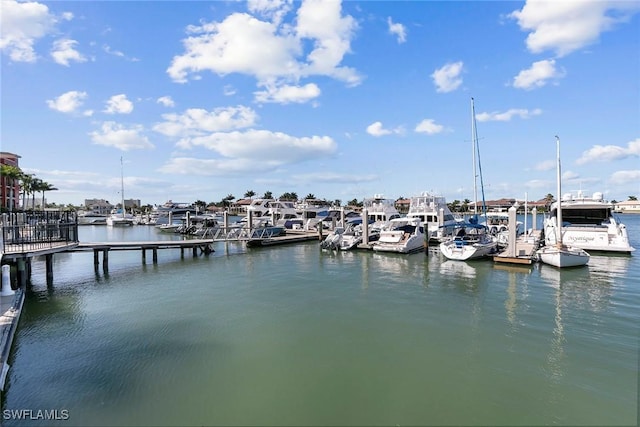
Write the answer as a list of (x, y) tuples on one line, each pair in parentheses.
[(29, 183)]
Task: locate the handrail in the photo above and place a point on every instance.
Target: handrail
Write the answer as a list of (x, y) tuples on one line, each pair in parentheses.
[(28, 231)]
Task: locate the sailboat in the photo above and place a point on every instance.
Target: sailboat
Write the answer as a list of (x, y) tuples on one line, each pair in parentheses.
[(561, 255), (471, 240), (119, 217)]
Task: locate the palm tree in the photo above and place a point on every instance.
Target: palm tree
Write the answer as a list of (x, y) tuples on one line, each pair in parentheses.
[(26, 181), (45, 186), (250, 194), (633, 198), (11, 174), (268, 195), (310, 196)]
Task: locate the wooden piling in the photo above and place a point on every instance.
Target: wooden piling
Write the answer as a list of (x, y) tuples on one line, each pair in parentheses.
[(155, 255), (144, 256), (105, 259), (49, 268)]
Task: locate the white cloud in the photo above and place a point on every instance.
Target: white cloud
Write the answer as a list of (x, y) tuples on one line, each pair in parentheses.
[(288, 94), (429, 126), (197, 121), (398, 30), (607, 153), (546, 165), (115, 135), (508, 115), (64, 51), (214, 167), (538, 75), (68, 102), (118, 104), (110, 51), (447, 78), (566, 26), (332, 177), (228, 90), (625, 177), (274, 10), (270, 52), (376, 129), (250, 151), (118, 53), (275, 147), (167, 101), (21, 25), (569, 176)]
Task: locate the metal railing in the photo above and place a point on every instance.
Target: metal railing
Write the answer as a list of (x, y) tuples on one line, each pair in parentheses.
[(29, 231)]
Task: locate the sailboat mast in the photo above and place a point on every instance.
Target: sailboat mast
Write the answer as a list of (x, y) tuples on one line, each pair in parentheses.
[(559, 190), (473, 148), (122, 184)]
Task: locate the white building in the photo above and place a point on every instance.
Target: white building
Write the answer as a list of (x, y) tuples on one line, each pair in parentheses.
[(629, 206)]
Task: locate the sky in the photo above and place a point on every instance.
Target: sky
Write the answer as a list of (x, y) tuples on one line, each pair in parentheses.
[(342, 100)]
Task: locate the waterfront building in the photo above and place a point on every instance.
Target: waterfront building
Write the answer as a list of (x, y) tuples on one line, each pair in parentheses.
[(98, 206), (629, 206), (9, 188)]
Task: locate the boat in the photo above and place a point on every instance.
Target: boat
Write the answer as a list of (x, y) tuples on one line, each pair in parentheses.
[(498, 225), (92, 218), (558, 254), (471, 239), (379, 211), (588, 223), (434, 213), (171, 213), (120, 217), (403, 235)]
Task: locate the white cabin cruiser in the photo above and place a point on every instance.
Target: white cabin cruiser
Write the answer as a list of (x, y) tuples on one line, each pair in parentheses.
[(434, 213), (588, 223), (471, 241), (403, 235)]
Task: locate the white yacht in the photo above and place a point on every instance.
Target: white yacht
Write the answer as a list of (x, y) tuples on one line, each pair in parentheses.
[(403, 235), (91, 218), (379, 211), (120, 218), (588, 223), (471, 241), (434, 214), (171, 213)]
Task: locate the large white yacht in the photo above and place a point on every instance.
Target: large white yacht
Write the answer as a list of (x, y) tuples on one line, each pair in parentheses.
[(588, 223), (379, 211), (403, 235), (434, 214)]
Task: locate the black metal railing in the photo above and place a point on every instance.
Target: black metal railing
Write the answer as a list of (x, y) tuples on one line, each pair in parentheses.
[(29, 231)]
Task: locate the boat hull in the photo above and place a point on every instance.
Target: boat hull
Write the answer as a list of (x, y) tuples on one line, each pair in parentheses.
[(454, 250), (563, 257)]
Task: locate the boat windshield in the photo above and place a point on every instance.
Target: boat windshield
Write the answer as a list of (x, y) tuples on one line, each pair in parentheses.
[(585, 216)]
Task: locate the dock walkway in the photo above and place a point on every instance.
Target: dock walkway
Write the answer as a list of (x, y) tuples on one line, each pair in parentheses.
[(524, 250)]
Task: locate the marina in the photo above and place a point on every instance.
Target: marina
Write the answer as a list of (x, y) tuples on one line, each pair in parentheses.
[(266, 334)]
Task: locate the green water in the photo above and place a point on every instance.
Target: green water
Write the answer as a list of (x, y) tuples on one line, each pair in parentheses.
[(294, 335)]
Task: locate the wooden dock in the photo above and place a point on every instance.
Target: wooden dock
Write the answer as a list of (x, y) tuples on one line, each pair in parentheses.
[(197, 246), (523, 251)]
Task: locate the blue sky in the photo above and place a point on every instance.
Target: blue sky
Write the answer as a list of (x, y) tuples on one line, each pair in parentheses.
[(339, 99)]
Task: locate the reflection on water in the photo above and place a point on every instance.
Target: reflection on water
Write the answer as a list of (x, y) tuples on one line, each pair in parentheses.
[(293, 335), (459, 269)]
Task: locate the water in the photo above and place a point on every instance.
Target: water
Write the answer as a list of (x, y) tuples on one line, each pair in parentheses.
[(292, 335)]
